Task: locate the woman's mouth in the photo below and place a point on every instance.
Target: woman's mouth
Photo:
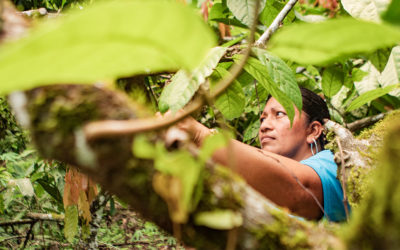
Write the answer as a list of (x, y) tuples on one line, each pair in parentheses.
[(266, 139)]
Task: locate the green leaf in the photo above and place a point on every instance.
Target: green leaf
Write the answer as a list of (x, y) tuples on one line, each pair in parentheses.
[(281, 74), (231, 102), (25, 187), (358, 74), (51, 189), (108, 40), (71, 222), (392, 14), (368, 10), (212, 143), (391, 74), (326, 42), (379, 58), (183, 86), (220, 13), (259, 71), (332, 81), (370, 96), (271, 10), (251, 131), (182, 165), (219, 219), (142, 148), (243, 10)]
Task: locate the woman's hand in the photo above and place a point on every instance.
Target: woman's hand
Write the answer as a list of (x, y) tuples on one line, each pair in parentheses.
[(195, 129)]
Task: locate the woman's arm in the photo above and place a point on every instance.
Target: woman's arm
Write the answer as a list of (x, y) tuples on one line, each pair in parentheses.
[(274, 176)]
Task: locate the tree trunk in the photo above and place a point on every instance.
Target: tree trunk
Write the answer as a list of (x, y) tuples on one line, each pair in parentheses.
[(55, 116)]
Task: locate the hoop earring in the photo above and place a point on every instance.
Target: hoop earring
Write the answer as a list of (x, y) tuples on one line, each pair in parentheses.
[(316, 147)]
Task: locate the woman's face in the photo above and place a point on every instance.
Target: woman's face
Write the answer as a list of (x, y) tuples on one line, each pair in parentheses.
[(278, 137)]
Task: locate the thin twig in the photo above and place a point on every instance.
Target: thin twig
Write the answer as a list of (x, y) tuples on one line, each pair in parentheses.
[(47, 217), (343, 175), (365, 122), (15, 222), (275, 24)]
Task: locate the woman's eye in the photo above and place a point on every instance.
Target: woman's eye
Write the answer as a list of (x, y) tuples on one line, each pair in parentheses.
[(280, 113), (262, 119)]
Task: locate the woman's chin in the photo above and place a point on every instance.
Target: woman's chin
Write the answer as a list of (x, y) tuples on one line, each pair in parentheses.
[(269, 148)]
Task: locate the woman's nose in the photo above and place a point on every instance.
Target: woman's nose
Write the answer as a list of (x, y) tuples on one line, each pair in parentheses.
[(265, 125)]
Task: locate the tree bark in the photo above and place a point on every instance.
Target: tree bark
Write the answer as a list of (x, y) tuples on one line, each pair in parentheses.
[(56, 115)]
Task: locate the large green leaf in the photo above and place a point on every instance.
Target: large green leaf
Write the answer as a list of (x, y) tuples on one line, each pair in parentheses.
[(111, 39), (231, 102), (365, 9), (243, 10), (259, 71), (370, 96), (325, 42), (183, 86), (332, 81), (71, 222), (392, 14), (281, 74)]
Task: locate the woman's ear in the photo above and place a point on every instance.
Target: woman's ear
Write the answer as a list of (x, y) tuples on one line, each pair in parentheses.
[(315, 129)]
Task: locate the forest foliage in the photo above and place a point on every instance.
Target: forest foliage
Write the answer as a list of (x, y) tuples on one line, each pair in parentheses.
[(347, 51)]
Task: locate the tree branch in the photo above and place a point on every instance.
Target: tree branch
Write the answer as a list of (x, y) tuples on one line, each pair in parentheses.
[(365, 122), (118, 128), (275, 24)]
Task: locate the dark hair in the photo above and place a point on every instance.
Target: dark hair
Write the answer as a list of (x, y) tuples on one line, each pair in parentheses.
[(316, 109)]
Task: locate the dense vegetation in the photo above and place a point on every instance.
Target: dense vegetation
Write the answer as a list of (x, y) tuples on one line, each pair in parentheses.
[(324, 46)]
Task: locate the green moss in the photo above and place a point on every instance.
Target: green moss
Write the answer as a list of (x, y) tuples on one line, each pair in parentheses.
[(376, 223), (282, 234)]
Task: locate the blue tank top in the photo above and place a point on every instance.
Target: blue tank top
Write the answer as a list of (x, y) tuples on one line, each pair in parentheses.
[(326, 168)]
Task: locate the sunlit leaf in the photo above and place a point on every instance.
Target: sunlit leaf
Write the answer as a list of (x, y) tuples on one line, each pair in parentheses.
[(231, 102), (391, 74), (281, 74), (332, 81), (183, 86), (321, 44), (370, 96), (25, 186), (243, 10), (365, 9), (259, 71), (109, 40), (219, 219)]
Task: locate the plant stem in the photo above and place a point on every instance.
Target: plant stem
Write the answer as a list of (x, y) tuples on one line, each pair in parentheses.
[(261, 42)]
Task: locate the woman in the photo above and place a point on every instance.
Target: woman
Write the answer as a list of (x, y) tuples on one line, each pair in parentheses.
[(290, 169)]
